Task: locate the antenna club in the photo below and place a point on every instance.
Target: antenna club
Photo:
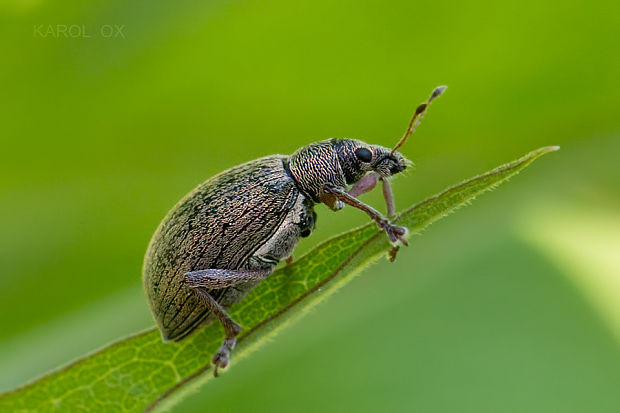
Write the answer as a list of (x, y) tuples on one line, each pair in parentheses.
[(438, 91)]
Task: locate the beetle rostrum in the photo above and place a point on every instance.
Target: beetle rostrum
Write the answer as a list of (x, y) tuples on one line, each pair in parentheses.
[(228, 234)]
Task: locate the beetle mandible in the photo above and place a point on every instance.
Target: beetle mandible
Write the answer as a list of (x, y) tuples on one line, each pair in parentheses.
[(229, 233)]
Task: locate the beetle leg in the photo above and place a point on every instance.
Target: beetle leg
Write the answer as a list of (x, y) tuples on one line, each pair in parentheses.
[(331, 201), (393, 252), (215, 279), (388, 196), (368, 183), (394, 232), (232, 329), (204, 280)]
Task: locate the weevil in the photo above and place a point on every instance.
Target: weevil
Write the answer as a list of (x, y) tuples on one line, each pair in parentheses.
[(229, 233)]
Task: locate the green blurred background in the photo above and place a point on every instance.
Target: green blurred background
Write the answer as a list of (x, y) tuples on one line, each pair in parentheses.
[(512, 304)]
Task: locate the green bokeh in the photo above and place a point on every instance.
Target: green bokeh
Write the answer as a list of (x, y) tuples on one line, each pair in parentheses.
[(101, 136)]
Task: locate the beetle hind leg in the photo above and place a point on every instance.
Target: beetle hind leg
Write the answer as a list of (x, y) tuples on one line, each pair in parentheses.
[(203, 281), (232, 330)]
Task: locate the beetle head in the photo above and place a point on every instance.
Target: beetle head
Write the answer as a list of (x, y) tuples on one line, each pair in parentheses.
[(341, 162), (356, 158)]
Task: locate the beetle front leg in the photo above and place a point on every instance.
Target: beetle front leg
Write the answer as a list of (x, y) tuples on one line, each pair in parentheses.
[(394, 233), (368, 183), (388, 195)]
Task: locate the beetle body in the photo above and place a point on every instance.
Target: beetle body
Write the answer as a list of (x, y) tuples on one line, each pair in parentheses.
[(229, 233), (246, 218)]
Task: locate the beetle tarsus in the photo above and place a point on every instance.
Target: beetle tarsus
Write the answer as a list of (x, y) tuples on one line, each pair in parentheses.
[(394, 233), (393, 252), (220, 359)]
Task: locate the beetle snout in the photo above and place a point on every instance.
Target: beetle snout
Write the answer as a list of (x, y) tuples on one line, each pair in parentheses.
[(397, 168)]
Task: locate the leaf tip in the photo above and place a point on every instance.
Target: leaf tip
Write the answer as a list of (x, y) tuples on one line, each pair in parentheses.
[(544, 150)]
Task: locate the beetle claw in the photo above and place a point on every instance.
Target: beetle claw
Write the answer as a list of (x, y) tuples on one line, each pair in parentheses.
[(395, 233), (220, 359), (393, 252)]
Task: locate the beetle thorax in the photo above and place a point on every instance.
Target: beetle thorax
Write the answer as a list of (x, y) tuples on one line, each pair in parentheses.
[(315, 165)]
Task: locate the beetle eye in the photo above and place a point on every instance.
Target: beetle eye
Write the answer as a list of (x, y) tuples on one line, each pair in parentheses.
[(363, 154)]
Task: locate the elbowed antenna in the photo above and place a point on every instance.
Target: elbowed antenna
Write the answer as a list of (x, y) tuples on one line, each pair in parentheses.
[(418, 115)]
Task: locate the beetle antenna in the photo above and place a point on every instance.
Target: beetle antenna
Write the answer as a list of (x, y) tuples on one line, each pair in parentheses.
[(418, 115)]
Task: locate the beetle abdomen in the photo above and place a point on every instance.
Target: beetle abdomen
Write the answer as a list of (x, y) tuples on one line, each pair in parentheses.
[(220, 224)]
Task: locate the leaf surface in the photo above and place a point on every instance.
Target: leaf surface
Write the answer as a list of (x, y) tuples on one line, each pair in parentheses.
[(140, 372)]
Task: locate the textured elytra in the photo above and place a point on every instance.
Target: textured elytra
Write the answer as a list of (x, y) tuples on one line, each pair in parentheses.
[(220, 224), (131, 374)]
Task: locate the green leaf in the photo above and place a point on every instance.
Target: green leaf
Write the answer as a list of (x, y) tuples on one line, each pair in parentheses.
[(141, 371)]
